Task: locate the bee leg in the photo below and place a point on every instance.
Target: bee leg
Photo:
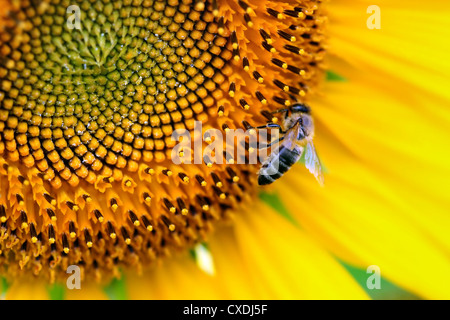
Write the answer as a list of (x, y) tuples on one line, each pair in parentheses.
[(274, 125), (270, 126), (248, 126), (284, 110)]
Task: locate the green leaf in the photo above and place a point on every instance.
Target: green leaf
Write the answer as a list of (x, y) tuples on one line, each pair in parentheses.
[(388, 290), (116, 289), (4, 285), (333, 76), (56, 291), (192, 254), (274, 201)]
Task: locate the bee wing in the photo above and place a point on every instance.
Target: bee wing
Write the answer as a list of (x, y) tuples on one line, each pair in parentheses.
[(290, 139), (312, 162)]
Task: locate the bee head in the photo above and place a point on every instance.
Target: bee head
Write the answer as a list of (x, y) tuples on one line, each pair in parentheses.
[(302, 113), (307, 124), (300, 107)]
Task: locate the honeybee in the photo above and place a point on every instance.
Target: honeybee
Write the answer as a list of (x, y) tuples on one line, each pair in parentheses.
[(298, 132)]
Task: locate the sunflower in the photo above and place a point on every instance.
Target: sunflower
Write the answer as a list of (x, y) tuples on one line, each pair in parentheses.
[(87, 113)]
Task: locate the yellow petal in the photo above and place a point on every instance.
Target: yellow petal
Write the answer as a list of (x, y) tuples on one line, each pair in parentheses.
[(267, 257), (360, 224), (383, 137), (27, 290), (385, 200), (411, 45), (177, 278), (88, 291)]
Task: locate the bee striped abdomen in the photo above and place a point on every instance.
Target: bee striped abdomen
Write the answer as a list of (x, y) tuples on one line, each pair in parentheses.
[(278, 165)]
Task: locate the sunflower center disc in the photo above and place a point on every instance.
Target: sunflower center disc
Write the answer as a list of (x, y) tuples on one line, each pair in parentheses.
[(90, 94)]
